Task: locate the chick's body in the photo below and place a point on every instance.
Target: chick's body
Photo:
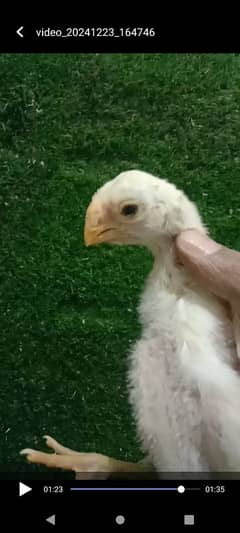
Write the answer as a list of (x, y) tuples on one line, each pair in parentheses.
[(183, 378), (182, 383)]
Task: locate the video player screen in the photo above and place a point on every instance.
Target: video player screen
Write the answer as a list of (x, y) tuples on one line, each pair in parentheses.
[(120, 276)]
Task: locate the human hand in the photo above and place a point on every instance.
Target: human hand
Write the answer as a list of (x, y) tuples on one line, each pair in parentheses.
[(215, 266)]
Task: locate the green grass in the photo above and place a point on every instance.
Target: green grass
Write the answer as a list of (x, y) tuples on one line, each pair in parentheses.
[(68, 123)]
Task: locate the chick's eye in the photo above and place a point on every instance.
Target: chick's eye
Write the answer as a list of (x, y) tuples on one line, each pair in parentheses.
[(130, 209)]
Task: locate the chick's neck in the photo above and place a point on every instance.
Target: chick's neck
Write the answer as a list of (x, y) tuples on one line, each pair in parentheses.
[(167, 268)]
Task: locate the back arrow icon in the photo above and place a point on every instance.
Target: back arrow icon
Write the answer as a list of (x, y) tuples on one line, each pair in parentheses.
[(19, 31)]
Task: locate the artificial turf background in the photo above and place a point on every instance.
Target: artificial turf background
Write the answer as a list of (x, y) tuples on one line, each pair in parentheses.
[(68, 123)]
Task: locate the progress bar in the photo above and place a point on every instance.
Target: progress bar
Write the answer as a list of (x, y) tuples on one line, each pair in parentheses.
[(123, 488), (181, 489)]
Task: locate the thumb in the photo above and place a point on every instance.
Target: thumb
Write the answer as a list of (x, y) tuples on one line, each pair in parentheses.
[(214, 265)]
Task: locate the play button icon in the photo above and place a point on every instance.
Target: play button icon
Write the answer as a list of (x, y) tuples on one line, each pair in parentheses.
[(23, 489)]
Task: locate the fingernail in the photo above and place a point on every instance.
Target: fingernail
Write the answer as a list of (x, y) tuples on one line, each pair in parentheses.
[(26, 451), (192, 238)]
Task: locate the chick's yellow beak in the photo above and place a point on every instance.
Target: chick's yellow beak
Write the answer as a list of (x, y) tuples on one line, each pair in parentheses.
[(98, 225)]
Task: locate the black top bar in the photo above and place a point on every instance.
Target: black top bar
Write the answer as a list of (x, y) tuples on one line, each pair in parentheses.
[(76, 37)]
